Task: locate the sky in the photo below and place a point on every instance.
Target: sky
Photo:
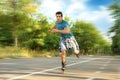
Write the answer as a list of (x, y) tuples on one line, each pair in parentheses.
[(94, 11)]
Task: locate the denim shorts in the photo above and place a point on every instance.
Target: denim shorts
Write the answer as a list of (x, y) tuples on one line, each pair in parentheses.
[(68, 44)]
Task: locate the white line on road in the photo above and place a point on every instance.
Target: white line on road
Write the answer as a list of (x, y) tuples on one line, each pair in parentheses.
[(105, 65), (102, 67), (100, 71), (22, 76), (108, 62), (6, 63), (92, 77)]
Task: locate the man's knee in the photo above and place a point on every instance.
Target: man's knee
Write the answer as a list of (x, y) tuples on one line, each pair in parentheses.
[(76, 52), (63, 52)]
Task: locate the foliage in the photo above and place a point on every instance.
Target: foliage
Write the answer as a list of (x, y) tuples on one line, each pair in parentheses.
[(115, 8), (89, 38), (21, 26)]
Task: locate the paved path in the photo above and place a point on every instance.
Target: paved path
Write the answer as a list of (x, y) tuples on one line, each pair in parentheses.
[(85, 68)]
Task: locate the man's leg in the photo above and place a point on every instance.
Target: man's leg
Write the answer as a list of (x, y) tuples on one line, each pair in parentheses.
[(63, 59), (77, 52), (76, 49), (63, 55), (62, 48)]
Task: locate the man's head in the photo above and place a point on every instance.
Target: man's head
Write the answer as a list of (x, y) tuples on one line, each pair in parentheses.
[(59, 16)]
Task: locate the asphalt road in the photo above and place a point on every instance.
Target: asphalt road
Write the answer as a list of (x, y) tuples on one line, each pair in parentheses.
[(85, 68)]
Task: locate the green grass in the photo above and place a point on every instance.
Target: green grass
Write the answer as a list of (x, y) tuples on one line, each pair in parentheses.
[(12, 52)]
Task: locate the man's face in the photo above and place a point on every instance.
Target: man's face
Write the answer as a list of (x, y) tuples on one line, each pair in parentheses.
[(59, 17)]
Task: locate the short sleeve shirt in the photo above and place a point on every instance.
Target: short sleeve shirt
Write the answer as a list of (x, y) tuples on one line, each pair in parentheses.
[(61, 26)]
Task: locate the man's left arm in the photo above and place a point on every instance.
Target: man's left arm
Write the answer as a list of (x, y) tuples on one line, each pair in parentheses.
[(64, 31)]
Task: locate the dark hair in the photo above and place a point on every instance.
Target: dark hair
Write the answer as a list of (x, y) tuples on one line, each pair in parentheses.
[(59, 12)]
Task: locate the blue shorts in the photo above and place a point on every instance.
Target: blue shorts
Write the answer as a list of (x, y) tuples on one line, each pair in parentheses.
[(68, 43)]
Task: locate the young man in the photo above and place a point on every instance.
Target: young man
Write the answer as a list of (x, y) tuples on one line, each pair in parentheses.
[(67, 39)]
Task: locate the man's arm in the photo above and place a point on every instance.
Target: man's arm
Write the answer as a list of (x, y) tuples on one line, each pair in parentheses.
[(65, 31), (54, 27)]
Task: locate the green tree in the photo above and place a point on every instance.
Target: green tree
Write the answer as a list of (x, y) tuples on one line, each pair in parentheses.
[(6, 37), (34, 37), (88, 37), (115, 8), (18, 9), (51, 39)]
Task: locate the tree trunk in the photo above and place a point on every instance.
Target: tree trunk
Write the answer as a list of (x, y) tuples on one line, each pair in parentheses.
[(16, 41)]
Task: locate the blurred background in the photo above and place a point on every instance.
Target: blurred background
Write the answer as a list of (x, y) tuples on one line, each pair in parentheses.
[(24, 26)]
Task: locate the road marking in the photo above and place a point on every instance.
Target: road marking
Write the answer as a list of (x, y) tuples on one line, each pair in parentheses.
[(98, 72), (94, 73), (90, 79), (102, 67), (7, 63), (22, 76), (107, 63)]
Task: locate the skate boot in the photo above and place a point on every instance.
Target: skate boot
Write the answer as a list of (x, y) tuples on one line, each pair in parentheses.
[(63, 66)]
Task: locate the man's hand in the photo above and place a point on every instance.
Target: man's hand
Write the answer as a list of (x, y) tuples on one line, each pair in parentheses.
[(54, 30), (65, 31), (49, 30)]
